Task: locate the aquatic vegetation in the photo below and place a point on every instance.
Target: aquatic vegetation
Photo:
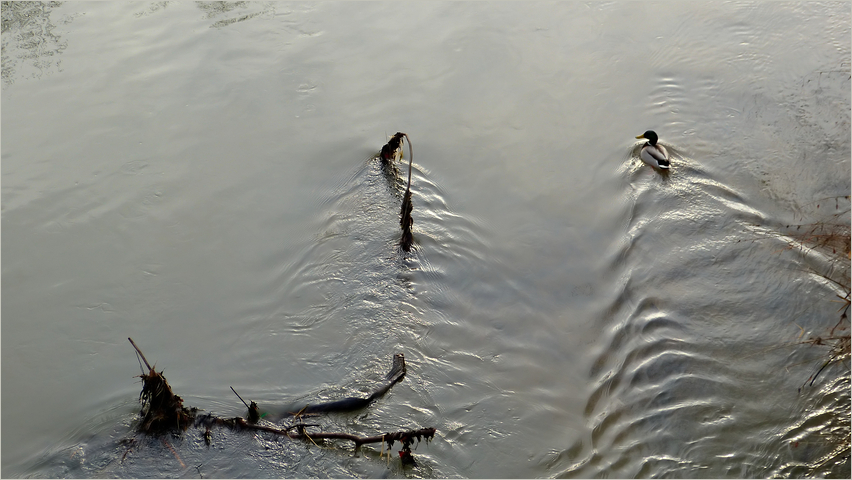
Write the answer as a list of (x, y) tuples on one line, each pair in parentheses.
[(390, 151), (830, 239), (162, 410)]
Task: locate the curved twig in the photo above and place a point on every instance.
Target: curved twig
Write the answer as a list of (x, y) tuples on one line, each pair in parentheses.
[(140, 353), (410, 161)]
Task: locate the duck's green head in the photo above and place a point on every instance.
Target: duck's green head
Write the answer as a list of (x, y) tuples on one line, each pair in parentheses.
[(651, 136)]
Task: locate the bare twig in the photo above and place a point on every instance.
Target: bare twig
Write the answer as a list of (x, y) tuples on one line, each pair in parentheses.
[(241, 398), (140, 354), (166, 443)]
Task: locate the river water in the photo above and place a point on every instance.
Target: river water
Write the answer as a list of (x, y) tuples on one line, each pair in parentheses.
[(201, 177)]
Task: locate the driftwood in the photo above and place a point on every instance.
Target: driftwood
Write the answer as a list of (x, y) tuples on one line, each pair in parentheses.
[(349, 404), (299, 432), (163, 412)]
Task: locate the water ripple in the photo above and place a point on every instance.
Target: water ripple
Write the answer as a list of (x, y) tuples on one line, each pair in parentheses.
[(682, 315)]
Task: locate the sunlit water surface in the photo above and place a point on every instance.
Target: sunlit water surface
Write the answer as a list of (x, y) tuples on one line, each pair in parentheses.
[(201, 177)]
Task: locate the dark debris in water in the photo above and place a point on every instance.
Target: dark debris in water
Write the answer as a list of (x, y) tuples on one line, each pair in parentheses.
[(392, 148), (388, 155), (164, 412), (406, 222), (407, 438)]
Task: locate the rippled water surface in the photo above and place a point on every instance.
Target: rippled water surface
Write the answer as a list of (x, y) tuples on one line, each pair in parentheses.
[(201, 177)]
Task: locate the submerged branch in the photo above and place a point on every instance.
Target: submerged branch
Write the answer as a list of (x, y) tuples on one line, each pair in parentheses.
[(140, 354), (239, 423), (163, 411)]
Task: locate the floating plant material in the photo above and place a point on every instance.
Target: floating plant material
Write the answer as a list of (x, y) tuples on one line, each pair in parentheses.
[(406, 222), (406, 438), (388, 155), (163, 412), (391, 148)]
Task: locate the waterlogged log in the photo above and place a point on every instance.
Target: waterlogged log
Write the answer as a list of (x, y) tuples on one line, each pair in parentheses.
[(349, 404), (299, 431)]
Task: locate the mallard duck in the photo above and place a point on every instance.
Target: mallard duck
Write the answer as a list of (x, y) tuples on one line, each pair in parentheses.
[(653, 154)]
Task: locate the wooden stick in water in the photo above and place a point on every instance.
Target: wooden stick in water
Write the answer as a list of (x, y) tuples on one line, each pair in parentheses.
[(140, 353), (241, 398)]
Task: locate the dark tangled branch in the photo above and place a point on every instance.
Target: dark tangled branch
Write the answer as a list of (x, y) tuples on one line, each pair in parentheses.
[(388, 154), (163, 411), (238, 423)]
